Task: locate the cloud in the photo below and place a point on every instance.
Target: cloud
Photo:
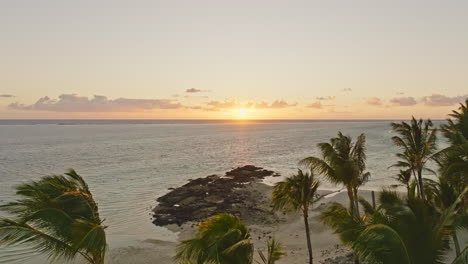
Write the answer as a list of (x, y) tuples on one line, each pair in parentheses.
[(6, 96), (374, 101), (403, 101), (442, 100), (278, 104), (195, 90), (347, 90), (76, 103), (195, 96), (323, 98), (223, 104), (229, 104), (317, 105)]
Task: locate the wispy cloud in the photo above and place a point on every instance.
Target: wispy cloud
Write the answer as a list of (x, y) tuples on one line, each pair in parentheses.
[(193, 90), (316, 105), (403, 101), (194, 96), (275, 105), (6, 95), (374, 101), (230, 104), (443, 100), (76, 103), (325, 98), (347, 90)]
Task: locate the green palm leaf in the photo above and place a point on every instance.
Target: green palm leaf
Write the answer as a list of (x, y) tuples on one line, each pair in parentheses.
[(56, 216)]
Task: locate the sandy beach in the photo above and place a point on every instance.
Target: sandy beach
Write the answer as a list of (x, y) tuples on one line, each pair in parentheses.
[(289, 230)]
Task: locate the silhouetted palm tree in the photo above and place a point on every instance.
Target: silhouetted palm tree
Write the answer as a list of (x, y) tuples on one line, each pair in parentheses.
[(274, 252), (297, 193), (453, 160), (56, 216), (404, 178), (442, 195), (222, 239), (453, 163), (402, 231), (342, 162), (456, 131), (418, 143)]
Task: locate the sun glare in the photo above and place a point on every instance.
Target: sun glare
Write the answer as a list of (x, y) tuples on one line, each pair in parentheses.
[(241, 113)]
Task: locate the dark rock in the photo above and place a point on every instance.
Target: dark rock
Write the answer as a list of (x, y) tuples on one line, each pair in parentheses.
[(204, 197)]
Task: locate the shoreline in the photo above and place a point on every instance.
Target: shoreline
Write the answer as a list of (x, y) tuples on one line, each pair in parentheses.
[(288, 228), (253, 207)]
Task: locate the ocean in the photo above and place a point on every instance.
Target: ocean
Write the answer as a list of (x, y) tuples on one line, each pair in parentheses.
[(129, 163)]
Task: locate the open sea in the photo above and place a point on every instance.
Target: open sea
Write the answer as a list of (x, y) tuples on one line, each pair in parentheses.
[(129, 163)]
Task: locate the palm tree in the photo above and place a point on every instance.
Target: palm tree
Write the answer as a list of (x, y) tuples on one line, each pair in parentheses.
[(457, 131), (418, 143), (342, 162), (222, 239), (453, 164), (56, 216), (274, 252), (442, 195), (402, 231), (453, 160), (404, 178), (297, 193)]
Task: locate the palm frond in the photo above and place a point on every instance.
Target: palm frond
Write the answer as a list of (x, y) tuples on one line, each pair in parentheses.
[(381, 244)]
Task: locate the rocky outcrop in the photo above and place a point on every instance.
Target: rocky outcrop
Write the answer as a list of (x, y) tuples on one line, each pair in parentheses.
[(204, 197)]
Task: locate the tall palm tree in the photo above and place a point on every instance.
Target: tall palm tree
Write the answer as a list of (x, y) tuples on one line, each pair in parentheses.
[(399, 231), (274, 252), (222, 239), (418, 143), (56, 216), (456, 131), (453, 160), (297, 193), (342, 162), (453, 163)]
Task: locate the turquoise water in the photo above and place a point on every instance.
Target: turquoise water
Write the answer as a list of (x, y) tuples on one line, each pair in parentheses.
[(128, 164)]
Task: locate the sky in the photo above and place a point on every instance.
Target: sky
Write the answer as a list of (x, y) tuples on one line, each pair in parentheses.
[(217, 59)]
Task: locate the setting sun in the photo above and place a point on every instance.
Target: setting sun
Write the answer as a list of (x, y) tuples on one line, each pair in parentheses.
[(241, 113)]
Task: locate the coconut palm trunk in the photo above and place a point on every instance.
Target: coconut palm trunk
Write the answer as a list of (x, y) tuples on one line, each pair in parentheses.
[(356, 202), (420, 183), (309, 243), (352, 204)]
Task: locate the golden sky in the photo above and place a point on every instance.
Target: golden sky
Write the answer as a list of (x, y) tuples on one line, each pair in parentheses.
[(254, 59)]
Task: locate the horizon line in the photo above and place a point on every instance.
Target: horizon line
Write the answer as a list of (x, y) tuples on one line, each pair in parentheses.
[(168, 119)]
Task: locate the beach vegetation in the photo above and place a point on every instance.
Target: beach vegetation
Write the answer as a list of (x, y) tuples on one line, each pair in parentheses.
[(56, 216)]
